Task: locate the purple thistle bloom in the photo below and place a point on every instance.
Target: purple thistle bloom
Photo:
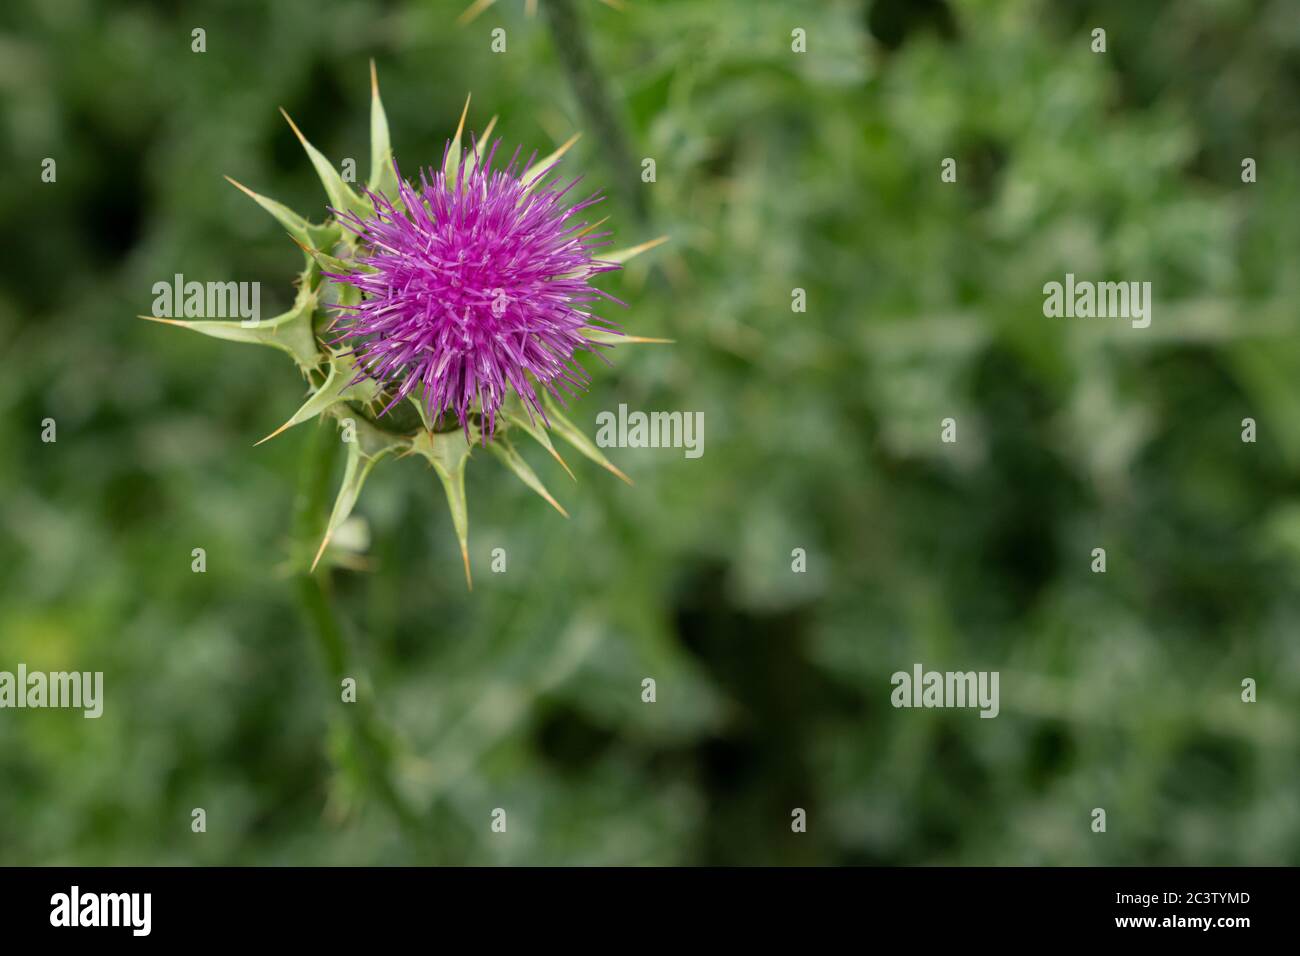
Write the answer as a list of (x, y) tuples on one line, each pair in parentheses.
[(470, 286)]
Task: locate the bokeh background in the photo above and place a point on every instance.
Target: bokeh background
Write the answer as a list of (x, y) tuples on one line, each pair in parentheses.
[(774, 171)]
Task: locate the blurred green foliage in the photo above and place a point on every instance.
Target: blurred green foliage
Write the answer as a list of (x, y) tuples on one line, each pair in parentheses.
[(774, 171)]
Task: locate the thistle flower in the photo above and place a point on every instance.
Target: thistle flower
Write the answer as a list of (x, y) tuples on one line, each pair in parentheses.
[(468, 294), (476, 285)]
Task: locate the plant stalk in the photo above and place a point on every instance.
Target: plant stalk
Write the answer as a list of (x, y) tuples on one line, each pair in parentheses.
[(371, 739)]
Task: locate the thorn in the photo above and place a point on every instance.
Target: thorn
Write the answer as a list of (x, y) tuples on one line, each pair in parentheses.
[(620, 474), (294, 126), (556, 455), (485, 136), (615, 339), (320, 550), (473, 10), (154, 318), (554, 504), (592, 228), (374, 79), (464, 554), (460, 127), (314, 253), (287, 425), (544, 165), (563, 148), (241, 187), (626, 254)]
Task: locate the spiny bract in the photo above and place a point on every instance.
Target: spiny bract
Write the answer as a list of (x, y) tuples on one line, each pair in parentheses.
[(466, 295)]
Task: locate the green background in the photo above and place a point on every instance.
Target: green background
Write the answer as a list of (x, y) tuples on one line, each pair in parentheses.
[(775, 170)]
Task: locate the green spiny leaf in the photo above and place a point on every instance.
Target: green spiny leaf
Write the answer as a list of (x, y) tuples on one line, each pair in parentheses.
[(618, 256), (340, 193), (374, 441), (364, 452), (414, 399), (544, 165), (341, 373), (307, 235), (382, 178), (502, 448), (606, 337), (448, 453), (451, 168), (330, 262), (481, 145), (623, 255), (290, 332), (513, 412), (298, 227), (574, 436)]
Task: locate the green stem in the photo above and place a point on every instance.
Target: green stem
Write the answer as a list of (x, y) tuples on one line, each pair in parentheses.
[(372, 740), (570, 38)]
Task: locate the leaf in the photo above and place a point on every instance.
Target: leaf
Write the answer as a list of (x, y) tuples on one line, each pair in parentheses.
[(332, 263), (369, 446), (449, 452), (451, 166), (544, 165), (517, 416), (342, 370), (619, 256), (382, 177), (502, 448), (605, 337), (481, 143), (340, 194), (298, 227), (423, 412), (571, 433), (290, 332), (623, 255)]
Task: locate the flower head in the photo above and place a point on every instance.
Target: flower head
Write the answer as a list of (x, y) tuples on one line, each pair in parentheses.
[(450, 296), (476, 282)]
